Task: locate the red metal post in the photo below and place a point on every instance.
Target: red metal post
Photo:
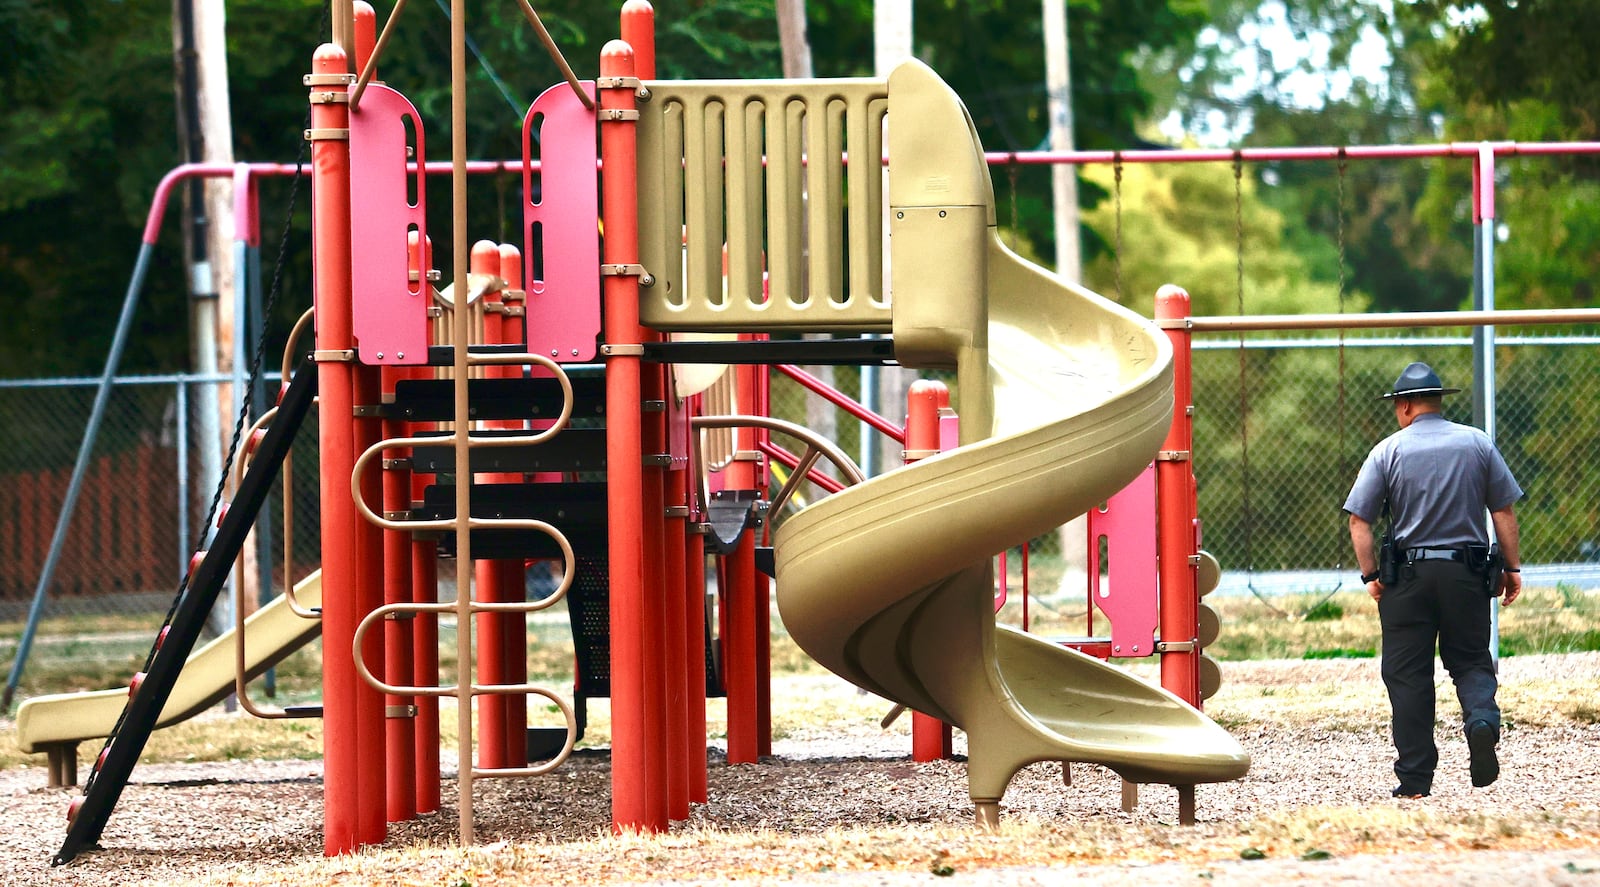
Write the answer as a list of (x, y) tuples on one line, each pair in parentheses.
[(931, 738), (425, 590), (372, 728), (398, 645), (330, 203), (632, 806), (741, 647), (510, 578), (492, 639), (1176, 512), (695, 670), (675, 549), (638, 31)]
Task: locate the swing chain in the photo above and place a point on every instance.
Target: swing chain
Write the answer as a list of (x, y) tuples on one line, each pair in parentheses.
[(1116, 191)]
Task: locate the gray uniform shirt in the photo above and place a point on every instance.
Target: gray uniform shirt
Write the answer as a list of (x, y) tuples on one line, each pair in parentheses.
[(1438, 477)]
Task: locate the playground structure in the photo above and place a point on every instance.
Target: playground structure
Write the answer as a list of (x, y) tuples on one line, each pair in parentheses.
[(1061, 393), (375, 355)]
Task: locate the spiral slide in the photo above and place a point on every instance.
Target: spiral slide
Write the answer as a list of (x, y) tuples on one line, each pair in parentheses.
[(1065, 397), (57, 723)]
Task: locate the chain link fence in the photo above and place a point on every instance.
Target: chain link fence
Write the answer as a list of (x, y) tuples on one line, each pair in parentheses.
[(1281, 428), (141, 514)]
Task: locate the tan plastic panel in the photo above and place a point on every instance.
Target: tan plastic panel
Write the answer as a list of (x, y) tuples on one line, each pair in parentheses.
[(1065, 397), (801, 232), (271, 633)]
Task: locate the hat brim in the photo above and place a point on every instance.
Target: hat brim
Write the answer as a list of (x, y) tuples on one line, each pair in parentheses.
[(1418, 392)]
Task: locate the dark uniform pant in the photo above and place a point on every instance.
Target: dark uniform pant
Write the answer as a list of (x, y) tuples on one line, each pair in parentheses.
[(1443, 601)]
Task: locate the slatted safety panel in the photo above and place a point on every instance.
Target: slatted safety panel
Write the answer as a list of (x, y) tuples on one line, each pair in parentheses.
[(783, 180)]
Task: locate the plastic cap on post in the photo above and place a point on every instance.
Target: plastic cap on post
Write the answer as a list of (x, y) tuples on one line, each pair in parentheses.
[(330, 59), (366, 27), (1172, 301), (924, 399), (639, 29), (616, 59)]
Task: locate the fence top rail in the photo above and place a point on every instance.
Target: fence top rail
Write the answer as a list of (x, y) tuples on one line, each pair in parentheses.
[(1244, 323), (1319, 152)]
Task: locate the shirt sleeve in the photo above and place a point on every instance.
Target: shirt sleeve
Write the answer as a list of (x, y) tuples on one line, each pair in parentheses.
[(1502, 488), (1370, 490)]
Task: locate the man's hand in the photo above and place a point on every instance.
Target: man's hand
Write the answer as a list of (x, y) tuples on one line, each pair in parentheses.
[(1510, 588), (1375, 588)]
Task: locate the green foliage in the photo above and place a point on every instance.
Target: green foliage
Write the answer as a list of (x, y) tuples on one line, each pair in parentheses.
[(1325, 611), (1341, 653), (1185, 223)]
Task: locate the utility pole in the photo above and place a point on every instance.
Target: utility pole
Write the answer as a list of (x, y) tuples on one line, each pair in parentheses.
[(792, 39), (1069, 256), (1063, 176), (205, 128), (883, 390)]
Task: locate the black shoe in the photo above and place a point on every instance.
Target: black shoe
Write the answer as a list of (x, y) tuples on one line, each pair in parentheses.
[(1481, 740), (1408, 794)]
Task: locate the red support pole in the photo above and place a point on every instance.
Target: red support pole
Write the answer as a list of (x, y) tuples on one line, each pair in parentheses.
[(398, 645), (1176, 541), (694, 629), (330, 207), (371, 730), (638, 31), (931, 738), (632, 804), (739, 652), (425, 635), (424, 590), (510, 573), (675, 545), (492, 630)]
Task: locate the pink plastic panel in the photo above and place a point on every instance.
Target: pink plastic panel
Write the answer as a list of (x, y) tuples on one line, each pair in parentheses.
[(562, 250), (390, 310), (1128, 598)]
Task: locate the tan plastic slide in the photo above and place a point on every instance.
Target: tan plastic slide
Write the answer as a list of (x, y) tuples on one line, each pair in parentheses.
[(56, 724), (1064, 398)]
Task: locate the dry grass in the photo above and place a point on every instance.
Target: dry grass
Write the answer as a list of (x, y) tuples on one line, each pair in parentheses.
[(843, 801)]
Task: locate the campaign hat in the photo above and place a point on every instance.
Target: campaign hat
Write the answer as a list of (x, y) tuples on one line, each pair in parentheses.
[(1418, 380)]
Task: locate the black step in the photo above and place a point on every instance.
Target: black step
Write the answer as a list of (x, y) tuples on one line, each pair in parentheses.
[(578, 510), (589, 609), (877, 351), (574, 449), (433, 400)]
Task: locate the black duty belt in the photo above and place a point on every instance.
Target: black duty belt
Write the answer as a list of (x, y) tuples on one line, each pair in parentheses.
[(1436, 554)]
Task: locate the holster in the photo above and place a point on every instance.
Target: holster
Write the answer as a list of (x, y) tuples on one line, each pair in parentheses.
[(1388, 561), (1492, 564)]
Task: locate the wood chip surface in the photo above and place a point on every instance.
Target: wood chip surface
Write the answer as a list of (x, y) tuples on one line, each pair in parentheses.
[(842, 802)]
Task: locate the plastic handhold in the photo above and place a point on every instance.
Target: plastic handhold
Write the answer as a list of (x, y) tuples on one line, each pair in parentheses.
[(1209, 625), (1210, 677), (1210, 573), (73, 808), (194, 562), (136, 683), (222, 514)]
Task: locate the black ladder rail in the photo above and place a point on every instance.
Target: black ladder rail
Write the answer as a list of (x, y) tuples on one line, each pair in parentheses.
[(110, 776)]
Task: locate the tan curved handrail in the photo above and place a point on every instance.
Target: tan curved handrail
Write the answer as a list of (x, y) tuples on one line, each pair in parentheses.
[(464, 692), (816, 446)]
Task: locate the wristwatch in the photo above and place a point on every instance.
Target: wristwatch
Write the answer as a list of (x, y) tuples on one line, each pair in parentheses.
[(1368, 577), (1510, 569)]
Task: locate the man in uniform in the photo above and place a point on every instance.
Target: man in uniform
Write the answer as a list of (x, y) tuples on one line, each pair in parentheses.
[(1434, 478)]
